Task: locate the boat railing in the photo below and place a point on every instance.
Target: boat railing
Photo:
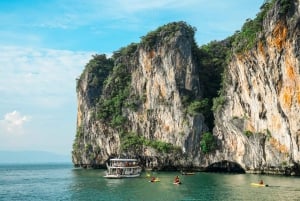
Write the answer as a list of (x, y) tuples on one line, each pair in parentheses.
[(118, 164)]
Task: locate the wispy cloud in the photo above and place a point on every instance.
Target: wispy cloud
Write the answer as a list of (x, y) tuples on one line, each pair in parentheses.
[(94, 20), (42, 77), (12, 123), (68, 14)]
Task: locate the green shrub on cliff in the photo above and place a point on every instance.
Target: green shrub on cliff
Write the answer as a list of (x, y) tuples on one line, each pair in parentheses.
[(79, 132), (109, 107), (165, 32), (134, 102), (218, 102), (79, 135), (247, 37), (198, 106), (133, 142), (285, 6), (88, 148), (96, 70), (125, 51), (161, 146), (248, 133), (207, 142)]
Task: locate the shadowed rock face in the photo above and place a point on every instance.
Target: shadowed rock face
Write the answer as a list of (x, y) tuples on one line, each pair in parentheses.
[(225, 167), (256, 130)]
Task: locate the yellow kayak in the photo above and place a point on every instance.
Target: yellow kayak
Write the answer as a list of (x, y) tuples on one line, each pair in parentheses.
[(259, 185), (155, 180)]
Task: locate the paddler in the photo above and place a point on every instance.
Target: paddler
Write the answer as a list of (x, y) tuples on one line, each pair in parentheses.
[(176, 180)]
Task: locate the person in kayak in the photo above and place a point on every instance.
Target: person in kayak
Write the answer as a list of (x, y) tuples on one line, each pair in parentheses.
[(261, 182), (176, 180), (153, 179)]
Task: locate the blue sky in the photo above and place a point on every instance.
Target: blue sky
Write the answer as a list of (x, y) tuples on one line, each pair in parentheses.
[(45, 45)]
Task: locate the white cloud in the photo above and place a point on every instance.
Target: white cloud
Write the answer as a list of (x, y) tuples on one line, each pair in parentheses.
[(13, 123), (42, 83)]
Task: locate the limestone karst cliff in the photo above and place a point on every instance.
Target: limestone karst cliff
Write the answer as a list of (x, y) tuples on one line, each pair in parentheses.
[(152, 100), (259, 124), (140, 109)]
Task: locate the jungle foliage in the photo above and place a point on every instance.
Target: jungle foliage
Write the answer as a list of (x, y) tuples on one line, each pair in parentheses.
[(97, 70), (132, 141), (165, 32), (207, 142), (247, 37), (116, 91), (212, 62)]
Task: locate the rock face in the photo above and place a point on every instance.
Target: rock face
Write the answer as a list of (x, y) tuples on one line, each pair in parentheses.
[(259, 125), (161, 75), (257, 129)]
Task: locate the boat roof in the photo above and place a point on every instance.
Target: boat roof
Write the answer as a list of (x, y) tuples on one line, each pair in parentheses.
[(122, 159)]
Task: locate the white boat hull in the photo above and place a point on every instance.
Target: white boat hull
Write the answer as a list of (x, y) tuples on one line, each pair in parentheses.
[(121, 176)]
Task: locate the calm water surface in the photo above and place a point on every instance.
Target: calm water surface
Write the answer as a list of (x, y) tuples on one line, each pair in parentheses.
[(63, 182)]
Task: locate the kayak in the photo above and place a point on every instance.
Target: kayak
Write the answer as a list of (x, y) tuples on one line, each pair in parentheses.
[(155, 180), (188, 173), (177, 183), (259, 185)]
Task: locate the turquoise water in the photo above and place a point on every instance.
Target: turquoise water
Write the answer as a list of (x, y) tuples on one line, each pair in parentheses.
[(63, 182)]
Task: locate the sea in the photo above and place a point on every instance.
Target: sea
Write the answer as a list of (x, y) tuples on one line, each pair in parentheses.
[(57, 182)]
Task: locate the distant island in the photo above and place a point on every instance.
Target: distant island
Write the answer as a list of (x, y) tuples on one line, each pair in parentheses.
[(9, 157)]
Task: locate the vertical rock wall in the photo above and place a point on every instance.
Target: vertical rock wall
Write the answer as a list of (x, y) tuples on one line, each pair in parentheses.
[(259, 125), (160, 75)]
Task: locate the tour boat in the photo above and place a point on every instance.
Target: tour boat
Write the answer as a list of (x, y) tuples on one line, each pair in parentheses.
[(118, 168)]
